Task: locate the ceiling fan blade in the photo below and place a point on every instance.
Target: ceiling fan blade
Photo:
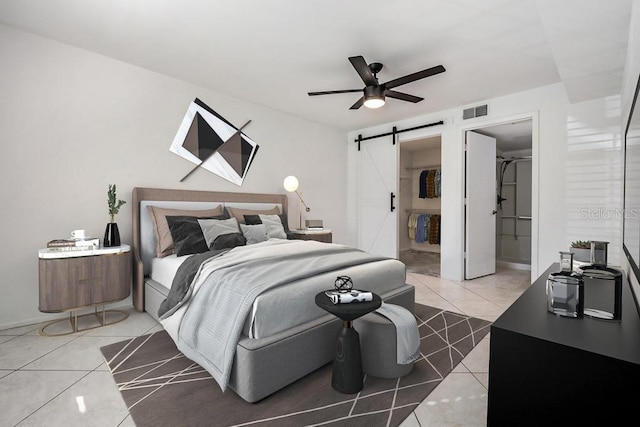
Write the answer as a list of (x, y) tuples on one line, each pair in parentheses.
[(402, 96), (358, 104), (329, 92), (363, 70), (415, 76)]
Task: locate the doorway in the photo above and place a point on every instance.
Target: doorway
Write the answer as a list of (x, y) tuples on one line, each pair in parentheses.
[(513, 193), (419, 204)]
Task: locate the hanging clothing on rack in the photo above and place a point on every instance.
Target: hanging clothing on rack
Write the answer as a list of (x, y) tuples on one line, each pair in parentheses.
[(434, 230), (422, 193), (420, 236), (424, 228), (427, 227), (431, 184), (412, 224)]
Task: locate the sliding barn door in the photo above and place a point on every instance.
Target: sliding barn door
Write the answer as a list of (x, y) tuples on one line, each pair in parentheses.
[(378, 227), (480, 209)]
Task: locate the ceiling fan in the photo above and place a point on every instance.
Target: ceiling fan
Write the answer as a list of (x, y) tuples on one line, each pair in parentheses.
[(374, 93)]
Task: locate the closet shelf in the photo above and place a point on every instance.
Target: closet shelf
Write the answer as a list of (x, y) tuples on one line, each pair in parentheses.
[(422, 167), (431, 211)]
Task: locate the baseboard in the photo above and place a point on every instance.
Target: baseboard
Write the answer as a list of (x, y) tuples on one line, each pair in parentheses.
[(513, 265)]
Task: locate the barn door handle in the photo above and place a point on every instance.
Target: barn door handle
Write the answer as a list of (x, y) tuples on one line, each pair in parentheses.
[(393, 196)]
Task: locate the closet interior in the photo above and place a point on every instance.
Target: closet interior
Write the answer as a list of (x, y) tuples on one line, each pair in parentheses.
[(419, 205), (513, 240)]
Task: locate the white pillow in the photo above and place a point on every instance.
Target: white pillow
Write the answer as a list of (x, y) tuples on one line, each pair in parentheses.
[(212, 228), (273, 224), (254, 233)]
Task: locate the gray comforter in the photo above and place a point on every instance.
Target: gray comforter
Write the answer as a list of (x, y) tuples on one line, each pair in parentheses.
[(206, 325), (181, 284)]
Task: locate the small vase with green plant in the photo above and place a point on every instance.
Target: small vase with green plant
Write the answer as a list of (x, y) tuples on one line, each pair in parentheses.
[(581, 250), (111, 234)]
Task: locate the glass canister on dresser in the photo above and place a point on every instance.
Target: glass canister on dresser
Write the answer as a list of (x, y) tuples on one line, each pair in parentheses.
[(602, 286), (599, 251), (565, 289), (603, 292)]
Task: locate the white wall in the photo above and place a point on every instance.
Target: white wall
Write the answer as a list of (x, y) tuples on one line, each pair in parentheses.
[(553, 117), (594, 172), (72, 122)]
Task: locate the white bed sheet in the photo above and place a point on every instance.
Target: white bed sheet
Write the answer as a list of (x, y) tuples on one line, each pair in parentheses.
[(163, 270)]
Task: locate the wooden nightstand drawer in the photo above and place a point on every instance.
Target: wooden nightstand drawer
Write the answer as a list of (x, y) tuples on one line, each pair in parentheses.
[(324, 236), (68, 283)]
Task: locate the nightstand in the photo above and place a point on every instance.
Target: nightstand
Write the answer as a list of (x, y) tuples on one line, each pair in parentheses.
[(347, 365), (70, 280), (321, 235)]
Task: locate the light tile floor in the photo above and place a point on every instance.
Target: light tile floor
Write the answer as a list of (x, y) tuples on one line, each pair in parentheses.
[(63, 381)]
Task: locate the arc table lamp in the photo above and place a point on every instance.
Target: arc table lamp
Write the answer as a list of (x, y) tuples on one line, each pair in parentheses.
[(291, 185)]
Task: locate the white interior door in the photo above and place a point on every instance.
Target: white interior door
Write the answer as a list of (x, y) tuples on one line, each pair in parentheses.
[(378, 187), (480, 209)]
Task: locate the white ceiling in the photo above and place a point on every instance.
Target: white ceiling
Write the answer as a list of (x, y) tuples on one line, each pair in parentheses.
[(273, 52)]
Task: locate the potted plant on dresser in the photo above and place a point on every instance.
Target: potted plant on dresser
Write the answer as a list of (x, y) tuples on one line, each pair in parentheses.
[(111, 234), (581, 250)]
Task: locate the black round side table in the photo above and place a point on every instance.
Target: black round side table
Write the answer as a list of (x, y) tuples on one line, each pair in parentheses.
[(347, 364)]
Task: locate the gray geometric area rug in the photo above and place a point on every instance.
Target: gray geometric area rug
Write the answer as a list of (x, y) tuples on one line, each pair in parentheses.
[(161, 387)]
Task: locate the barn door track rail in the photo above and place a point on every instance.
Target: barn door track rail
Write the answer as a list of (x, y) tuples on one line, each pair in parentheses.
[(394, 132)]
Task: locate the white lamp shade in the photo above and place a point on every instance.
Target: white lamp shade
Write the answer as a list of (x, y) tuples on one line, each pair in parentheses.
[(290, 183)]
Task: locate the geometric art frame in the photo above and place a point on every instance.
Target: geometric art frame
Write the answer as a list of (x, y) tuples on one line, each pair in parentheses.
[(208, 140)]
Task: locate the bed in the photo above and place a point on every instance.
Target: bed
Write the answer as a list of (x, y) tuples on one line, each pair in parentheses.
[(284, 336)]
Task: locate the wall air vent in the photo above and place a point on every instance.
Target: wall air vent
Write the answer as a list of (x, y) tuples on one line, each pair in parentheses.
[(472, 112)]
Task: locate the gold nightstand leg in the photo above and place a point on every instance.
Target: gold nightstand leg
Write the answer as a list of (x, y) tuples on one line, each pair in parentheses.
[(73, 321)]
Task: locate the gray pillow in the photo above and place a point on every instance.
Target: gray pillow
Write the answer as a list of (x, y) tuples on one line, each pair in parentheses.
[(212, 228), (254, 233)]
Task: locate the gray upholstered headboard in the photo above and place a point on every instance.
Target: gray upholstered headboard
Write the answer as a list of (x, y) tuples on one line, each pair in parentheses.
[(144, 241)]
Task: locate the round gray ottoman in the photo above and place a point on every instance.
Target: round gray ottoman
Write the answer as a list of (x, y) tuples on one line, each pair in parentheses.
[(378, 347)]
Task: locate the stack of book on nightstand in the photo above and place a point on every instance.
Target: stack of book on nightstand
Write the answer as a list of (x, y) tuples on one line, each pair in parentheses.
[(79, 244)]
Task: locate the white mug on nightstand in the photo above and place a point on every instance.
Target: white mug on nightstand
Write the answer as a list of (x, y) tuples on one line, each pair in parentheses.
[(78, 234)]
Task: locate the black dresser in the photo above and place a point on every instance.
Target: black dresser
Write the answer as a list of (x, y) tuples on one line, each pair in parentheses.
[(550, 370)]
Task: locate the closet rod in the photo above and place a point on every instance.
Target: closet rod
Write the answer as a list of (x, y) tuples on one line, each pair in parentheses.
[(394, 132)]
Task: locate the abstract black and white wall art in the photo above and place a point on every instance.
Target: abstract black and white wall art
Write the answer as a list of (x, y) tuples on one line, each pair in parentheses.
[(206, 139)]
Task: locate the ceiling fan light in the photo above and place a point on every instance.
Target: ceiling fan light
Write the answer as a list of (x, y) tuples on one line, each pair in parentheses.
[(373, 96), (374, 103)]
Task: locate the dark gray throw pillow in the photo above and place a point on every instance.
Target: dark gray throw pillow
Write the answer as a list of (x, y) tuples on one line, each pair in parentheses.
[(252, 219), (255, 219), (230, 240), (187, 235)]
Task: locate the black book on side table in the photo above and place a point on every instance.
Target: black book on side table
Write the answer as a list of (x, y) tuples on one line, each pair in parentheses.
[(347, 365)]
